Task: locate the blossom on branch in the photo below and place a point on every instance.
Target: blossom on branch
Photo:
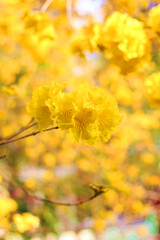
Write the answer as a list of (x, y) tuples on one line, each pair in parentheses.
[(89, 115)]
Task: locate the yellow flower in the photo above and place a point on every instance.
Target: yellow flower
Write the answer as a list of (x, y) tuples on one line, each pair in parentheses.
[(90, 114), (153, 89), (49, 160), (147, 158), (38, 35), (7, 205), (38, 107), (84, 127), (97, 116), (25, 222), (109, 118), (62, 109), (82, 42), (124, 40), (30, 183), (128, 34), (154, 18)]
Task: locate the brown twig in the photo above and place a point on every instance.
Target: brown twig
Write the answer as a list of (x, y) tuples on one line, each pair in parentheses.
[(97, 188), (21, 130), (46, 5), (4, 142), (3, 156)]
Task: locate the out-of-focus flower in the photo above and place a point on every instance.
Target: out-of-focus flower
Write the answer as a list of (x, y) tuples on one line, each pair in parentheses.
[(82, 42), (25, 222), (7, 205), (47, 176), (129, 35), (147, 158), (49, 160), (124, 40), (1, 178), (153, 89), (154, 18), (30, 183), (38, 35)]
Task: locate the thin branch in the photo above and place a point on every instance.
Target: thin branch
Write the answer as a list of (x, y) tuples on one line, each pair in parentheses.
[(32, 119), (4, 142), (46, 5), (3, 156), (69, 11), (97, 188), (21, 130), (64, 203)]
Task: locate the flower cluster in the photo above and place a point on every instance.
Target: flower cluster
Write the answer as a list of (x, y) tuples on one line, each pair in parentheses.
[(38, 35), (123, 35), (25, 222), (83, 41), (89, 114), (153, 89), (7, 206), (123, 38)]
